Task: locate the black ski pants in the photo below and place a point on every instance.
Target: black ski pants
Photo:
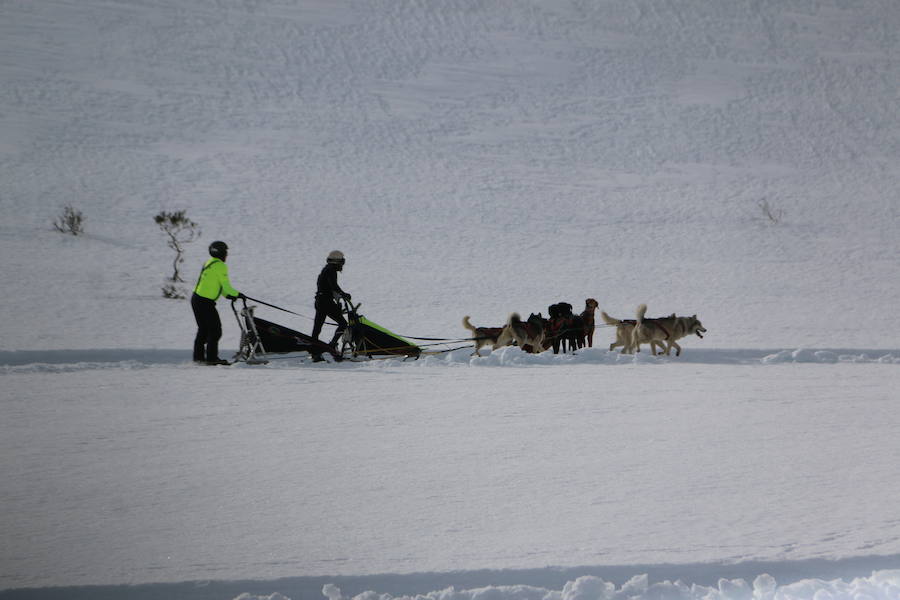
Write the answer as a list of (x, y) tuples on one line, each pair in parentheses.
[(209, 328), (326, 307)]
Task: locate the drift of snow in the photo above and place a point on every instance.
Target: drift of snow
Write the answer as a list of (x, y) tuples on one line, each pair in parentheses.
[(881, 585)]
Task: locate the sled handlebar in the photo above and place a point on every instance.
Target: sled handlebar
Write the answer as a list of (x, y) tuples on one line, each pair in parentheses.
[(349, 306)]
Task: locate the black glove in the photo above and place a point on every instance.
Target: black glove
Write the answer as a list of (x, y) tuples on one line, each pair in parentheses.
[(241, 296), (346, 296)]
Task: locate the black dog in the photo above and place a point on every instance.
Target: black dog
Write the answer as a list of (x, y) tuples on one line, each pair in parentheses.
[(565, 328)]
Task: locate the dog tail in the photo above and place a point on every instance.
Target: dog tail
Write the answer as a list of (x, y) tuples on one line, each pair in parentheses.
[(514, 318), (641, 311), (468, 324), (608, 319)]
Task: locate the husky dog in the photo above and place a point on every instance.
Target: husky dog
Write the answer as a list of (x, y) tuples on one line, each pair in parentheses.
[(684, 326), (624, 330), (483, 336), (663, 331), (649, 331), (587, 318), (529, 335)]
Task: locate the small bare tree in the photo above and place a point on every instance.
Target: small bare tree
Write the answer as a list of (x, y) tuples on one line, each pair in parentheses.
[(774, 215), (70, 221), (180, 230)]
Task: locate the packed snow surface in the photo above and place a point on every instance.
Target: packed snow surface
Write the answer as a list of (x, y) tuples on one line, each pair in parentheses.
[(738, 160)]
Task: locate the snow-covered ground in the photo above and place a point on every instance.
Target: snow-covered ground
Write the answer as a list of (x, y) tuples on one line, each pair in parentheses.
[(469, 158)]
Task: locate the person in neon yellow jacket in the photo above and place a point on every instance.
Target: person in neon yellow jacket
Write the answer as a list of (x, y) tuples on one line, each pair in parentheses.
[(212, 283)]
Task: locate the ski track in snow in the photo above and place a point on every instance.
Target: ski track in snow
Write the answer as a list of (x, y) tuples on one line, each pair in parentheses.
[(62, 361)]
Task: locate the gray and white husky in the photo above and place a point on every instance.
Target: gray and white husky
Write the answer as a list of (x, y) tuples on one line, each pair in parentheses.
[(665, 330), (624, 337), (529, 335)]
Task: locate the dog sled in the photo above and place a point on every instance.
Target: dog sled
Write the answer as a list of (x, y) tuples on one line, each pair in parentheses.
[(365, 338), (260, 338)]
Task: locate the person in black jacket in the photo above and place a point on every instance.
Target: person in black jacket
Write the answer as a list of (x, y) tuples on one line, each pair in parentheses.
[(328, 292)]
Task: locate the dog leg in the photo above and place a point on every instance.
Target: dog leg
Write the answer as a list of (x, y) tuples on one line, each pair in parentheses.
[(503, 339), (633, 345)]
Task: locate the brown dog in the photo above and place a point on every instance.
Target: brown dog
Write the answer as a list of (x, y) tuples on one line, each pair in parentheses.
[(483, 336), (587, 317)]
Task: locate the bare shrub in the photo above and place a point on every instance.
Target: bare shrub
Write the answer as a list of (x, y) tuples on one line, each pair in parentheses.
[(771, 213), (70, 221), (170, 290)]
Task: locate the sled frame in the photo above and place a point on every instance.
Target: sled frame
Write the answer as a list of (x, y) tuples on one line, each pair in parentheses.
[(353, 342), (251, 345)]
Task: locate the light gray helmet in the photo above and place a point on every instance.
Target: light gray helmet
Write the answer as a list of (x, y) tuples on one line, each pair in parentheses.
[(335, 257)]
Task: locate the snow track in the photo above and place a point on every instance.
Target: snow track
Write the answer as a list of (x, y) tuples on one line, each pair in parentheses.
[(36, 361)]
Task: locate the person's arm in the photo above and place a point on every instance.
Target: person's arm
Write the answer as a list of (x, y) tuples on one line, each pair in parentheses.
[(228, 291), (336, 290)]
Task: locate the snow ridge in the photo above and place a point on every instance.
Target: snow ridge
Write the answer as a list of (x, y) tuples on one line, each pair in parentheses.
[(882, 585)]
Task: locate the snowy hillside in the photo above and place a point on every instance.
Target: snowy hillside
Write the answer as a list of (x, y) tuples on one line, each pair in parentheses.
[(737, 159), (469, 158)]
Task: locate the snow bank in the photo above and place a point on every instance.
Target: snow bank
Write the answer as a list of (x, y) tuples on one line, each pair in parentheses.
[(882, 585), (805, 355)]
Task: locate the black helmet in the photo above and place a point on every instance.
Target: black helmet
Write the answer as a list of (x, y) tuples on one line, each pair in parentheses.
[(218, 249)]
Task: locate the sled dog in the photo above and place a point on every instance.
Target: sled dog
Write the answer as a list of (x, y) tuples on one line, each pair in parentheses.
[(684, 326), (561, 328), (587, 318), (666, 330), (483, 336), (529, 335), (624, 330)]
